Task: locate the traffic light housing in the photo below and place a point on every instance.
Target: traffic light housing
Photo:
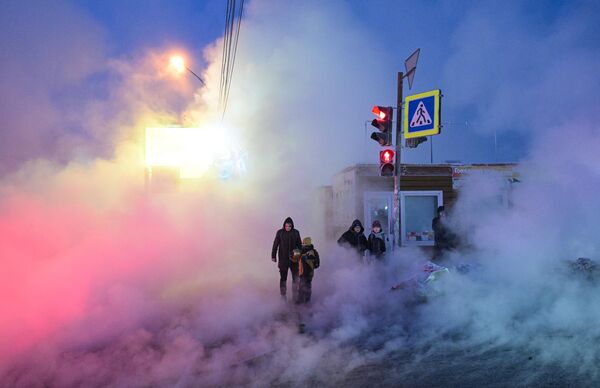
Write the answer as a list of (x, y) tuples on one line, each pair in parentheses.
[(383, 123), (386, 162), (415, 141)]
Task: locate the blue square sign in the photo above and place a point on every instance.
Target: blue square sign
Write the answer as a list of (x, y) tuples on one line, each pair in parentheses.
[(422, 114)]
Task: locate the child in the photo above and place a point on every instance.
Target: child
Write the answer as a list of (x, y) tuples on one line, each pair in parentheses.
[(309, 261), (376, 242)]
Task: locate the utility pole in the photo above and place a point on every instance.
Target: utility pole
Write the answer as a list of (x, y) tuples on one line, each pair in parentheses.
[(431, 149), (411, 65), (398, 169)]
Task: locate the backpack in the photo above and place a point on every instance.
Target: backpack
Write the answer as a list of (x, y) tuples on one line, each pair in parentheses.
[(311, 259)]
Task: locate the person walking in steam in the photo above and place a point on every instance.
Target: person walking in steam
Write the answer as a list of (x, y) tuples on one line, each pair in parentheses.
[(444, 238), (376, 241), (309, 261), (287, 239), (354, 238)]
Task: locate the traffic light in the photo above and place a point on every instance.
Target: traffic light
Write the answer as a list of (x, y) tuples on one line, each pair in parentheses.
[(415, 141), (383, 123), (386, 162)]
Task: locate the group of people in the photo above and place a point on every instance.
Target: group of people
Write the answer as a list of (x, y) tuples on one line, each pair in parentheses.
[(444, 238), (300, 258), (297, 256), (354, 238)]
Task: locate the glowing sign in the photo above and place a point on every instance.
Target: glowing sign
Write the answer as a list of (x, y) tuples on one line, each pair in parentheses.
[(192, 150)]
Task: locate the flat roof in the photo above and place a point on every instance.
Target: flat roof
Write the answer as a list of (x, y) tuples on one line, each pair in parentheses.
[(424, 166)]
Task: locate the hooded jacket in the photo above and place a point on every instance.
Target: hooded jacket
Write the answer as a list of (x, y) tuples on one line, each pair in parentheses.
[(376, 244), (352, 239), (309, 261), (285, 242)]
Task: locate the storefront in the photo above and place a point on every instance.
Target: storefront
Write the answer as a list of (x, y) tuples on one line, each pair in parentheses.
[(359, 192)]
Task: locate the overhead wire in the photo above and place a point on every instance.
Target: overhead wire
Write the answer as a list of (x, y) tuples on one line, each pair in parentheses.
[(230, 42), (237, 36), (224, 57), (229, 47)]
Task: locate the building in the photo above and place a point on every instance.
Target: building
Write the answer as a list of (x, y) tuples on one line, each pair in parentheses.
[(360, 192)]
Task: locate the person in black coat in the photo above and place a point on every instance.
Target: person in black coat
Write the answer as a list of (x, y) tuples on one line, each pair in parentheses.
[(444, 238), (376, 241), (354, 238), (287, 239)]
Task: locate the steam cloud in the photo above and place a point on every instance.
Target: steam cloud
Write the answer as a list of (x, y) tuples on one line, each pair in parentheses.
[(103, 285)]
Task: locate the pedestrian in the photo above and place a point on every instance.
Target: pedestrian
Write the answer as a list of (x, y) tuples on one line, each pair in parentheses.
[(354, 238), (309, 261), (444, 238), (287, 240), (376, 241)]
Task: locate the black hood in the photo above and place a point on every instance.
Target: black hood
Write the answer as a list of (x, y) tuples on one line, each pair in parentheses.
[(288, 221), (357, 223)]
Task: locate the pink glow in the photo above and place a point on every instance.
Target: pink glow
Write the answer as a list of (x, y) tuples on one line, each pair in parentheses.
[(57, 258)]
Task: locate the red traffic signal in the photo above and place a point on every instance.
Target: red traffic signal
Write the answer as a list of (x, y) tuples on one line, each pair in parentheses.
[(386, 162), (386, 156), (380, 111), (383, 123)]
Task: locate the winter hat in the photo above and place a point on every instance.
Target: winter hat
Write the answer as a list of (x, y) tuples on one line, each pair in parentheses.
[(377, 223), (307, 241)]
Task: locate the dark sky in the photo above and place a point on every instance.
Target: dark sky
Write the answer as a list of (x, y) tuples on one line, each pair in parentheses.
[(508, 70)]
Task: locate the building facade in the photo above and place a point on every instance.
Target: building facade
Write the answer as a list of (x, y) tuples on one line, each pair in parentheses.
[(359, 192)]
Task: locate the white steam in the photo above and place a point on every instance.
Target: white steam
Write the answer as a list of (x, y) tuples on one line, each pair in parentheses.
[(103, 285)]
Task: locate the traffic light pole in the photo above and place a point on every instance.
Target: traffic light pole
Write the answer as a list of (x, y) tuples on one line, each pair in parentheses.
[(398, 169)]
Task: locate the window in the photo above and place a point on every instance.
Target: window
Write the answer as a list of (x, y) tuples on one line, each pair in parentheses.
[(418, 210)]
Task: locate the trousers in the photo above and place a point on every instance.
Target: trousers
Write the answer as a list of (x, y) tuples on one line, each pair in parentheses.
[(305, 289), (283, 273)]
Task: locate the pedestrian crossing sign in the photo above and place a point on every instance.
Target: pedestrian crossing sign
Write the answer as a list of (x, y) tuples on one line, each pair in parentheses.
[(422, 114)]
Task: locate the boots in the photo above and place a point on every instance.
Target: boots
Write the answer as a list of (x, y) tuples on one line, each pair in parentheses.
[(283, 290)]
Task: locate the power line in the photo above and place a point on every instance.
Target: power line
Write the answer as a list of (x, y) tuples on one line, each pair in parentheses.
[(229, 45), (225, 37), (237, 36), (230, 42)]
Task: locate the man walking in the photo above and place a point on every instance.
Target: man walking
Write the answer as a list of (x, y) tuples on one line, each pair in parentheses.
[(286, 241)]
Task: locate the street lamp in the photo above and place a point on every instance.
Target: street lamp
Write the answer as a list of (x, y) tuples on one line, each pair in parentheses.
[(177, 66)]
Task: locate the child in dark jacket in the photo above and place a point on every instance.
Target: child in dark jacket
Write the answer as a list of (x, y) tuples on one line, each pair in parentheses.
[(376, 241), (309, 261)]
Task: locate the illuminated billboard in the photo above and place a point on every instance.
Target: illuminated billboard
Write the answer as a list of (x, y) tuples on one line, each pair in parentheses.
[(191, 150)]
